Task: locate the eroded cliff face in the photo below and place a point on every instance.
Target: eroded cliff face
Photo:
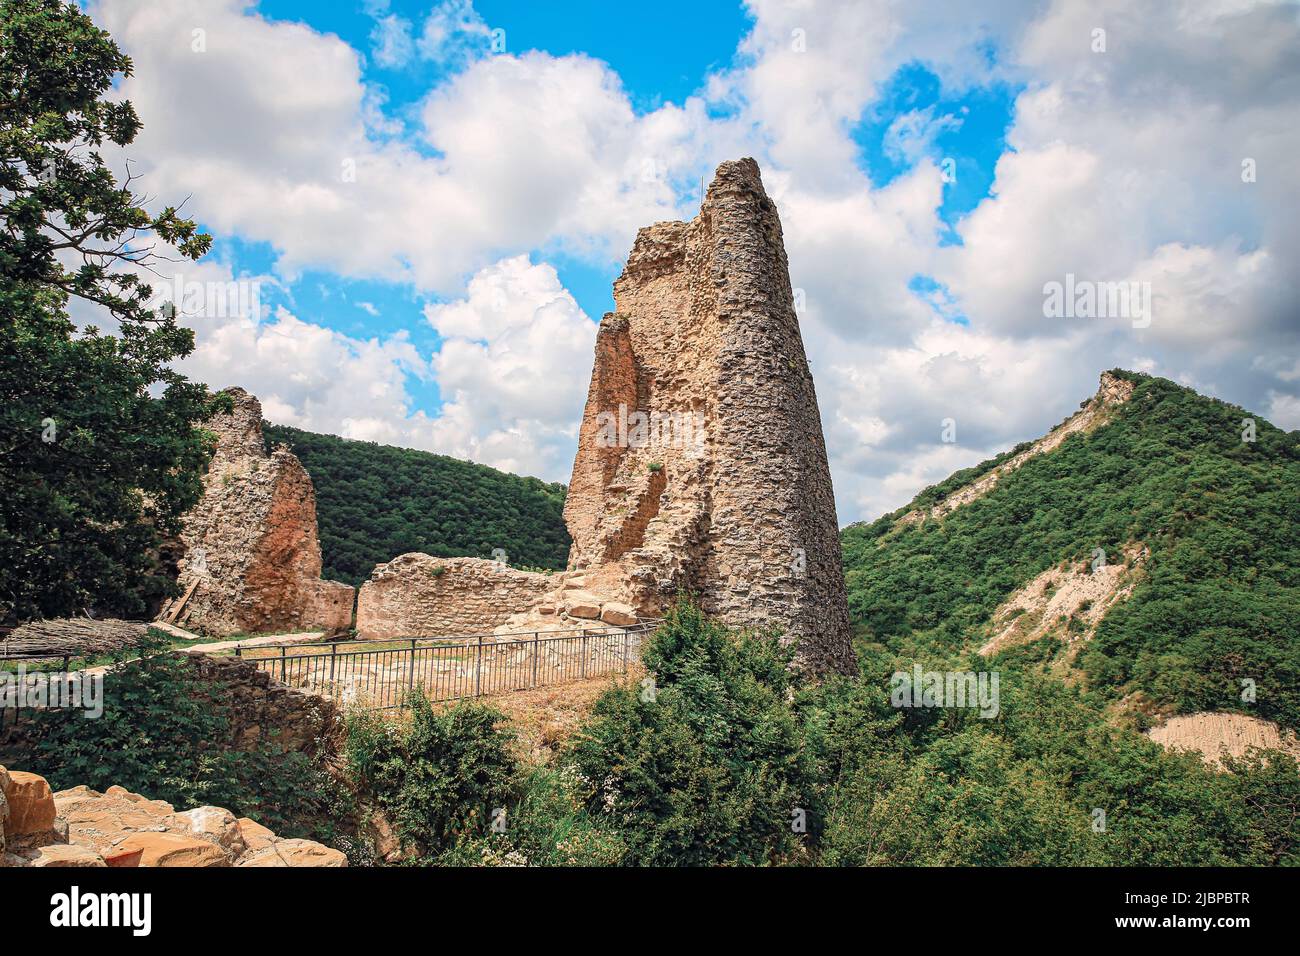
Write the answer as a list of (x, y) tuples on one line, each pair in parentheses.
[(701, 465), (252, 556)]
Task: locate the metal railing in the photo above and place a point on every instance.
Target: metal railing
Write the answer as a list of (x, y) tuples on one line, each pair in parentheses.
[(381, 674)]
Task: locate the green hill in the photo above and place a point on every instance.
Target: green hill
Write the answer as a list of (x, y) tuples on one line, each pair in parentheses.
[(374, 502), (1213, 607)]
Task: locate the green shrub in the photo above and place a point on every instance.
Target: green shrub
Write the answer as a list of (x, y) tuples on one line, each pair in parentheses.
[(708, 767), (439, 776), (164, 733), (1217, 601), (546, 826)]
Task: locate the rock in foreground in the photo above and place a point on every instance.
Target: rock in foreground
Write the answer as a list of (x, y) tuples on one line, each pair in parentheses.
[(85, 828)]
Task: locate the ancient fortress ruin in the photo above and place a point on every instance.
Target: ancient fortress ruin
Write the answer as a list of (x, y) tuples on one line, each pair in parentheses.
[(701, 466), (701, 470), (252, 560)]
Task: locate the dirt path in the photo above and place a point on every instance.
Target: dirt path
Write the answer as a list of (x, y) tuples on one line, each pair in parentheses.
[(217, 647)]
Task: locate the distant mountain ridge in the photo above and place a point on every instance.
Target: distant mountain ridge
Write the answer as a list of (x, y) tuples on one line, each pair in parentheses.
[(1152, 557), (375, 502)]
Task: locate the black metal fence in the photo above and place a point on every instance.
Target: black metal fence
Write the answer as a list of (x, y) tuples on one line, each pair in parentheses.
[(381, 674)]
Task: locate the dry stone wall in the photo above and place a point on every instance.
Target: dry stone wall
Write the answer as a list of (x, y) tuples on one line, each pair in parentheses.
[(258, 709), (416, 595), (252, 560)]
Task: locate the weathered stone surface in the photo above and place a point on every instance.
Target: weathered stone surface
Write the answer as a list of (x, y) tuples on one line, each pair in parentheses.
[(294, 853), (722, 489), (619, 615), (254, 835), (260, 708), (416, 595), (582, 604), (174, 849), (701, 465), (120, 828), (66, 855), (31, 805), (217, 825), (252, 553)]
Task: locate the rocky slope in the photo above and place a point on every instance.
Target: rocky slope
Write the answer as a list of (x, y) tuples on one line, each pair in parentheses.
[(1113, 392)]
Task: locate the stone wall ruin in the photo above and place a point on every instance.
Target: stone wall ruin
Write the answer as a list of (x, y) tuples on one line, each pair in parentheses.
[(416, 595), (252, 561), (701, 466)]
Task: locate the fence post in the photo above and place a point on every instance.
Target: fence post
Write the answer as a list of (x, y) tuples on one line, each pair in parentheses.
[(584, 654), (334, 650), (410, 683), (478, 669), (627, 639), (283, 664), (537, 647)]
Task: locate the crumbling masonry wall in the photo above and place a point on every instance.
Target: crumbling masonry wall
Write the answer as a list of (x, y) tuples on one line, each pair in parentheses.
[(416, 595), (252, 559)]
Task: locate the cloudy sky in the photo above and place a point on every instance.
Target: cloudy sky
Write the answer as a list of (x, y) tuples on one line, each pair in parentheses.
[(430, 201)]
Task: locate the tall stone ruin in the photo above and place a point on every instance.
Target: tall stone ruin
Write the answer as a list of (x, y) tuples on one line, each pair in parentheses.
[(701, 465), (252, 561)]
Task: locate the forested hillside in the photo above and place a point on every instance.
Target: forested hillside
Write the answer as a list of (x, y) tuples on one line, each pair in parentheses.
[(1213, 609), (374, 502)]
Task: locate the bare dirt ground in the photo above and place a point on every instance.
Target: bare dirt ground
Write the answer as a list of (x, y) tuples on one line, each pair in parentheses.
[(547, 717), (544, 719), (1071, 599), (1214, 735)]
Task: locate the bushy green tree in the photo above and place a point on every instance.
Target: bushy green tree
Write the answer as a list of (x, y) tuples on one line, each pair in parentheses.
[(99, 449), (705, 766), (1214, 605), (165, 733), (439, 775)]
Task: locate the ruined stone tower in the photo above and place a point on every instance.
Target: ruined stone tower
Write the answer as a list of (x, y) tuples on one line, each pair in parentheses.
[(701, 465), (252, 556)]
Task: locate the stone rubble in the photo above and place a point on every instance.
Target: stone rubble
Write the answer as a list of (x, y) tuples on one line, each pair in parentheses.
[(85, 828)]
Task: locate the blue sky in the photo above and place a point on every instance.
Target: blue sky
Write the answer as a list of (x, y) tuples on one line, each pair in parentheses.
[(433, 199), (662, 53)]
